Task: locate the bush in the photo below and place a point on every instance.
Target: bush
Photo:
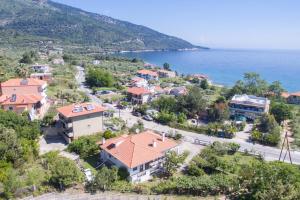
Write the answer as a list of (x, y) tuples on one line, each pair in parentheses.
[(266, 131), (63, 172), (123, 173), (99, 78), (84, 146), (109, 134), (166, 117)]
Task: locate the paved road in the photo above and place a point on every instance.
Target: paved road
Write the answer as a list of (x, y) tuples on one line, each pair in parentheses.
[(101, 196), (269, 153)]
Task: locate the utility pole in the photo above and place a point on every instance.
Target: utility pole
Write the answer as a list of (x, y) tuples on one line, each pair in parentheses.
[(288, 151)]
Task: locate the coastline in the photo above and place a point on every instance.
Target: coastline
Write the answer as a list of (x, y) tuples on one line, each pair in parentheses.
[(162, 50)]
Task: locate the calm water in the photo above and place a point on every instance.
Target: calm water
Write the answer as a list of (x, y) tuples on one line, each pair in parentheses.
[(227, 66)]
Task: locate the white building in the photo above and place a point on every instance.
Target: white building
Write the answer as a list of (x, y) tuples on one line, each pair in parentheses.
[(248, 106), (147, 74), (141, 154), (139, 82), (139, 95), (40, 68)]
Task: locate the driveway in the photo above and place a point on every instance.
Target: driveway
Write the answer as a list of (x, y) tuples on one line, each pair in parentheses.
[(51, 141)]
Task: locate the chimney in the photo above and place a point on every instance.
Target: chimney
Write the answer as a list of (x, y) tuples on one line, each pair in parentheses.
[(154, 143), (103, 140), (163, 136)]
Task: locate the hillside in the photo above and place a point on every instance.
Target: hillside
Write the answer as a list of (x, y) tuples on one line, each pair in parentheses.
[(41, 20)]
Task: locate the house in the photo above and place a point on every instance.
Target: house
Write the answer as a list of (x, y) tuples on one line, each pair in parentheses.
[(20, 95), (147, 74), (199, 77), (139, 95), (42, 76), (139, 82), (141, 154), (78, 120), (26, 86), (40, 68), (166, 74), (178, 91), (293, 98), (35, 105), (96, 62), (58, 61), (248, 106)]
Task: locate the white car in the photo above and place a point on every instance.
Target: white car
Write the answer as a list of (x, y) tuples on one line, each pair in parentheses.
[(88, 175)]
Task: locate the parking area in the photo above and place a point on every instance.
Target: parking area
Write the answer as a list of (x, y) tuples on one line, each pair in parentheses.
[(51, 141)]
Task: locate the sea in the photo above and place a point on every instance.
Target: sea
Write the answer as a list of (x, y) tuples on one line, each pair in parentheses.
[(225, 67)]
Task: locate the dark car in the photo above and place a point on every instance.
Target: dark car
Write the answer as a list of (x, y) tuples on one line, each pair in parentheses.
[(148, 118), (137, 114)]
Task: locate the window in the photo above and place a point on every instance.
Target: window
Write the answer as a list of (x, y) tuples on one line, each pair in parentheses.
[(141, 168), (134, 169), (147, 165), (10, 108)]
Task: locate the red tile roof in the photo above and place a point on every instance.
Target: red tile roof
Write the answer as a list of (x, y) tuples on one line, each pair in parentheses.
[(134, 150), (18, 82), (137, 79), (69, 111), (147, 72), (20, 99), (297, 94), (138, 90), (285, 94)]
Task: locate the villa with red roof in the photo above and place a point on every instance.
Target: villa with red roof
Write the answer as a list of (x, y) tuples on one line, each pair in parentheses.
[(139, 95), (141, 154), (78, 120), (293, 98), (139, 82), (20, 95), (147, 74)]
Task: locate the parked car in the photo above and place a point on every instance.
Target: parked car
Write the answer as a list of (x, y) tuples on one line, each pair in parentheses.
[(137, 114), (152, 113), (148, 118), (88, 175), (108, 114), (104, 92)]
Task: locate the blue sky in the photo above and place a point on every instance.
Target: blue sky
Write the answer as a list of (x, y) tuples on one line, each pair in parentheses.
[(247, 24)]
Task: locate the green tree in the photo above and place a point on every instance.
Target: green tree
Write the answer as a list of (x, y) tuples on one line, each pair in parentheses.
[(204, 84), (281, 112), (266, 130), (108, 134), (219, 111), (166, 66), (64, 173), (11, 184), (194, 103), (165, 103), (99, 78), (173, 161), (84, 146), (276, 88), (105, 178), (26, 59), (10, 147), (254, 84), (273, 180)]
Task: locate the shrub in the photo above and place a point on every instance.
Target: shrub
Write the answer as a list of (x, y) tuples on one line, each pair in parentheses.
[(84, 146), (109, 134)]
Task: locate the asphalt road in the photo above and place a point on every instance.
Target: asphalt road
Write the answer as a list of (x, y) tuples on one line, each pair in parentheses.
[(268, 153)]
